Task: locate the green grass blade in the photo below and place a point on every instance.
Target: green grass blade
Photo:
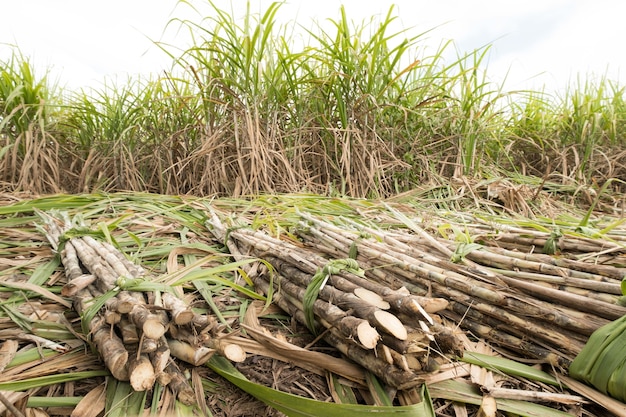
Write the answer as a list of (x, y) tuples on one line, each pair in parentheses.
[(122, 400), (43, 381), (39, 402), (509, 367)]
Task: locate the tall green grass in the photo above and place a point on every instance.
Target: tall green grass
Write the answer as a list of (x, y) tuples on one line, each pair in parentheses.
[(29, 154), (353, 108)]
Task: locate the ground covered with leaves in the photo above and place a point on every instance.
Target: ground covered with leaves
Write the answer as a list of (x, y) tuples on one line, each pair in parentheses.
[(556, 280)]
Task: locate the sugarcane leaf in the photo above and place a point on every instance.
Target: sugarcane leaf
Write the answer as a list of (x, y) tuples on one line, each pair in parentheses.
[(310, 295), (595, 357), (585, 221), (341, 393), (318, 281), (122, 400), (228, 283), (295, 406), (40, 402), (91, 311), (469, 394), (37, 289), (205, 291), (105, 231), (608, 361), (551, 245), (44, 271), (354, 250), (30, 355), (509, 367), (43, 381), (80, 231), (18, 318), (378, 392), (462, 250)]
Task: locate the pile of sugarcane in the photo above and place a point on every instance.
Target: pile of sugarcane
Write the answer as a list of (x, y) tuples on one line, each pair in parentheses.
[(533, 305), (391, 332), (137, 333)]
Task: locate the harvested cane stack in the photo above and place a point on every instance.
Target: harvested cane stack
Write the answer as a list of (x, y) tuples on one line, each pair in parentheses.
[(136, 333), (536, 306), (392, 333), (533, 304)]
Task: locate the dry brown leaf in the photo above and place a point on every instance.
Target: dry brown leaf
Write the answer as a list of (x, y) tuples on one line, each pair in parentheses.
[(488, 407), (7, 352), (534, 396), (295, 353), (92, 404), (616, 407)]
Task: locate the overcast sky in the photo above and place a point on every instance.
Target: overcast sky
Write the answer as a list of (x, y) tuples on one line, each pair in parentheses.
[(535, 42)]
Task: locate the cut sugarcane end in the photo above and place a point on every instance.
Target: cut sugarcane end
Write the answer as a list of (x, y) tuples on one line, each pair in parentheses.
[(372, 298), (233, 352), (368, 336), (391, 324), (142, 375)]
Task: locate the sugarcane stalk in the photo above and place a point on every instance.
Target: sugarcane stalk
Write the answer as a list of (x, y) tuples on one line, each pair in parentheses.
[(392, 355), (128, 331), (445, 281), (388, 372), (528, 348), (401, 302), (76, 284), (109, 255), (181, 313), (111, 348), (330, 315), (107, 277), (607, 292), (141, 372), (179, 385), (346, 301), (194, 355), (580, 303), (547, 265), (230, 351)]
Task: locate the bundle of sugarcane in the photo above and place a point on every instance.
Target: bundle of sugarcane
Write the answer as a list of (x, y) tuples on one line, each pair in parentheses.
[(135, 331), (540, 306), (391, 332)]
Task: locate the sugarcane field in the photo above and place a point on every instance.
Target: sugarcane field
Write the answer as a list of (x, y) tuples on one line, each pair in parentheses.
[(332, 230)]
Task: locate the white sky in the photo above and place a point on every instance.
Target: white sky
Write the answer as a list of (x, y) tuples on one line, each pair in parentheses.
[(537, 42)]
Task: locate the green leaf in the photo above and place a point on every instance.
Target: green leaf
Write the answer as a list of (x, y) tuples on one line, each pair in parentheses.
[(43, 381), (462, 250), (310, 295), (342, 393), (318, 281), (30, 355), (122, 400), (40, 402), (509, 367), (90, 312), (551, 246), (381, 396), (295, 406)]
